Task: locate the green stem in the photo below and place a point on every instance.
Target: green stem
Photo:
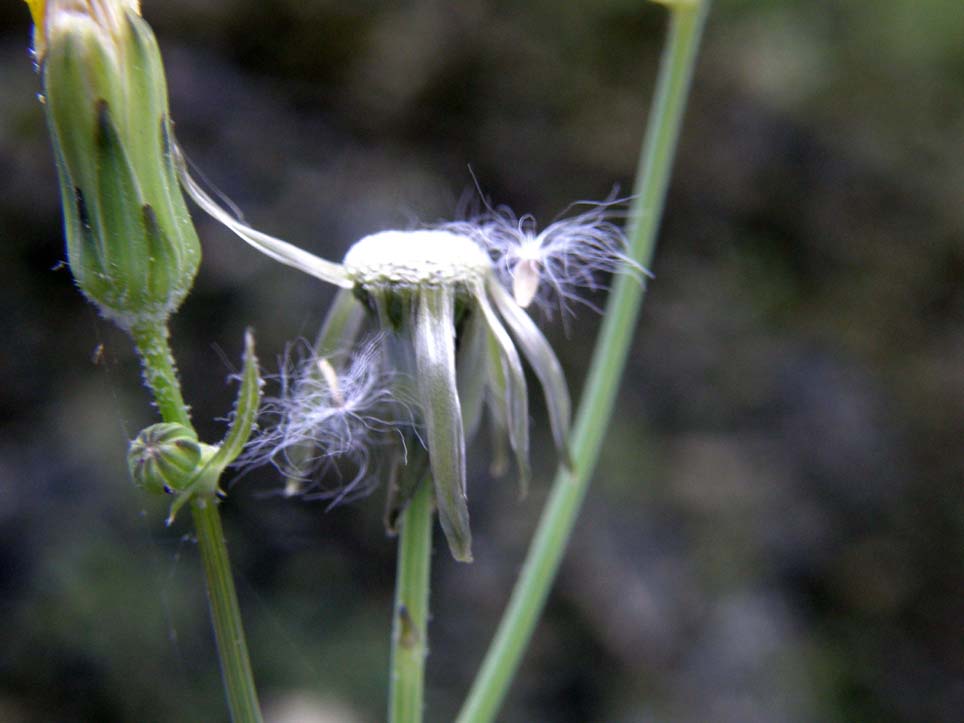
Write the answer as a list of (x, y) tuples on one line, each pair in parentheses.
[(545, 554), (160, 372), (225, 614), (410, 624), (161, 376)]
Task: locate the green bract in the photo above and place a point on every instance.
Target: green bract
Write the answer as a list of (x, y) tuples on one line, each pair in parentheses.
[(130, 242), (167, 457)]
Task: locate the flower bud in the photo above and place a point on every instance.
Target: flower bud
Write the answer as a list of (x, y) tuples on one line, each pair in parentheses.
[(164, 458), (130, 242)]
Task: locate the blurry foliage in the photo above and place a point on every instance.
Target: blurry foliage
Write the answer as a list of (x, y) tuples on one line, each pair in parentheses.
[(776, 529)]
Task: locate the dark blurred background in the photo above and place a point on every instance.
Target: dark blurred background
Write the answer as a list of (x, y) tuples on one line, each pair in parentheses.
[(776, 529)]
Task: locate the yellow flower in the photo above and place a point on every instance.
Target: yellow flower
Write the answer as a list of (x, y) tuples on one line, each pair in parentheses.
[(45, 13), (37, 11)]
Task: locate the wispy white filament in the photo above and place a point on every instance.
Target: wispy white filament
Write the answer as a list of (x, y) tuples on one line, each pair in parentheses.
[(327, 410), (558, 263)]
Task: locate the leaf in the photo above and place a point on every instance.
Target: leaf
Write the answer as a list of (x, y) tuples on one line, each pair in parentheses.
[(245, 409), (208, 475)]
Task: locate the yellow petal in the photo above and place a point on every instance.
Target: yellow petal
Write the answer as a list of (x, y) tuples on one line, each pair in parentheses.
[(107, 13), (37, 8)]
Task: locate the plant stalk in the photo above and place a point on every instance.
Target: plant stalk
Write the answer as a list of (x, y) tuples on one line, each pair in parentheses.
[(236, 672), (159, 372), (687, 18), (410, 618)]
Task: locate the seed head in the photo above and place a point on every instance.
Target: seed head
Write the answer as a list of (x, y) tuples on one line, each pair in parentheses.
[(451, 337)]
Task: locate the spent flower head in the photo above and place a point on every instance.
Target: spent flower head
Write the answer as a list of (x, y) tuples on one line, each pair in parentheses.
[(451, 337)]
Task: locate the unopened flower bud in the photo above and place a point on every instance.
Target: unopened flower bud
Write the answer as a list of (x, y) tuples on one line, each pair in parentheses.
[(164, 457), (130, 242)]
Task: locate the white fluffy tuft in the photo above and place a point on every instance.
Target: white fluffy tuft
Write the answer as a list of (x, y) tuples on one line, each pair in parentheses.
[(558, 264), (328, 411)]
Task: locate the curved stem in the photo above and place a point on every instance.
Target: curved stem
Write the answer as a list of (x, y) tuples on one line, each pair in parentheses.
[(545, 554), (410, 619), (160, 373)]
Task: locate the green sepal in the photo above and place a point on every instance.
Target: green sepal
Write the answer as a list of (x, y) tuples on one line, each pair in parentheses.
[(121, 217), (72, 80), (152, 147), (71, 121), (146, 92)]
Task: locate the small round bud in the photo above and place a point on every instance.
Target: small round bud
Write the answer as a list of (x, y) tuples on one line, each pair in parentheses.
[(164, 457)]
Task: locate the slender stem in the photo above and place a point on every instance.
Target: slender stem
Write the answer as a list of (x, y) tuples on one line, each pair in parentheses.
[(545, 554), (410, 624), (161, 376), (225, 614), (160, 373)]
